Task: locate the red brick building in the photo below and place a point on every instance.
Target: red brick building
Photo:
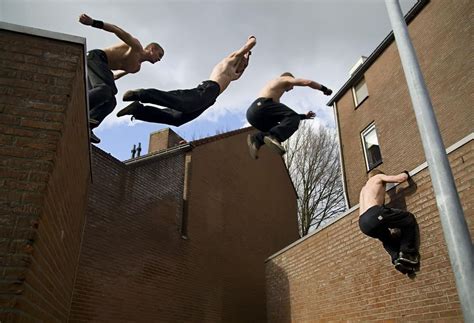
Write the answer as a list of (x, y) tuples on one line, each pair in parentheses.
[(337, 273), (43, 176), (179, 234)]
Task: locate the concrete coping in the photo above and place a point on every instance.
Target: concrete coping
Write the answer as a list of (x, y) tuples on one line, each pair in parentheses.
[(42, 33), (413, 172)]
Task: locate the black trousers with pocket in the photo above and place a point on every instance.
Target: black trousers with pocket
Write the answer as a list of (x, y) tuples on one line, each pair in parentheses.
[(272, 118), (376, 222)]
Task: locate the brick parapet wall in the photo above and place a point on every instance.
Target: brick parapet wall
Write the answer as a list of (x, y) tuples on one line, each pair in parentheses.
[(341, 274), (43, 178), (132, 245)]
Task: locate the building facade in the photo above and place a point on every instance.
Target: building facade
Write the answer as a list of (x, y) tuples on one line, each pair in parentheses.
[(182, 233), (337, 273), (179, 234)]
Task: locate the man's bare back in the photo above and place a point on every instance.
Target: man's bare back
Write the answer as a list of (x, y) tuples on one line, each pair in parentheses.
[(275, 88), (232, 67), (373, 192)]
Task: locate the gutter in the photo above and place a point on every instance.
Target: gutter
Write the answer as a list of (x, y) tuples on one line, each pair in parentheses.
[(359, 72)]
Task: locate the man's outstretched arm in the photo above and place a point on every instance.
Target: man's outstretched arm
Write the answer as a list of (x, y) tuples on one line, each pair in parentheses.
[(251, 42), (119, 32), (311, 84), (400, 178)]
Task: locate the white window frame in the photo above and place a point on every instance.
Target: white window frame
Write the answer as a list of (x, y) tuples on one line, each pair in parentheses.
[(364, 132), (354, 94)]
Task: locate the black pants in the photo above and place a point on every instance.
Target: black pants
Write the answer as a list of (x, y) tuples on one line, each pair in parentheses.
[(272, 118), (101, 85), (182, 106), (376, 222)]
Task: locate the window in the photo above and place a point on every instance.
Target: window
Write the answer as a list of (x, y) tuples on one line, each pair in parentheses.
[(370, 143), (360, 92)]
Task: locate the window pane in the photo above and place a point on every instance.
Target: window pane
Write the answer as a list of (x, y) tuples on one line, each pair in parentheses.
[(361, 91), (372, 148)]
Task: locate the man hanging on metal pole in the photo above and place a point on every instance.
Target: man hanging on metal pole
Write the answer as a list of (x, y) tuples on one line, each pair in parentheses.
[(456, 232)]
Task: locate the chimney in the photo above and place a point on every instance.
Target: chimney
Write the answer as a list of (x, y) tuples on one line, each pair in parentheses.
[(163, 139), (356, 65)]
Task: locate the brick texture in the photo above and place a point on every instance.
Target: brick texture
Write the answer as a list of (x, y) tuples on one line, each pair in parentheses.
[(339, 274), (43, 178), (135, 266), (440, 35), (163, 139)]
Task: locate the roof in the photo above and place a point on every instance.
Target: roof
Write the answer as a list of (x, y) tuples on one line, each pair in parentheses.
[(414, 11), (219, 136)]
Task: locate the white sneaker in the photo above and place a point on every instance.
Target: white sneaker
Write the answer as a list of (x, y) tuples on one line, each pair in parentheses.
[(274, 144)]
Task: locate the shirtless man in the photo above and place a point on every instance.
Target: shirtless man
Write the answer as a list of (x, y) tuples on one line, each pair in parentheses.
[(376, 220), (182, 106), (107, 65), (276, 121)]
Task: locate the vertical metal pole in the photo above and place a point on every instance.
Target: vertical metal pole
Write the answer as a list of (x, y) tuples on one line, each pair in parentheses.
[(456, 232)]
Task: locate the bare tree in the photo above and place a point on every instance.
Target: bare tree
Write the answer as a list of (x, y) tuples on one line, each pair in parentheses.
[(313, 163)]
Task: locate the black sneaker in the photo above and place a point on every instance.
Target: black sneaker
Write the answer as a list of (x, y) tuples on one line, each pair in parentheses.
[(253, 146), (132, 95), (274, 144), (405, 269), (94, 138), (130, 109), (409, 259)]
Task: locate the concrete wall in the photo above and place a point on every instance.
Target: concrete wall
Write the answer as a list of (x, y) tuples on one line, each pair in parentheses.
[(440, 38), (44, 172), (340, 274)]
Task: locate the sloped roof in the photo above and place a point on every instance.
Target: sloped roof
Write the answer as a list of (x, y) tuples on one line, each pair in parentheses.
[(206, 140), (359, 72)]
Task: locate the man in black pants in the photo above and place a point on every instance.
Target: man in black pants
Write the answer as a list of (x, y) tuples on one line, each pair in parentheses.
[(276, 121), (378, 221), (107, 65), (182, 106)]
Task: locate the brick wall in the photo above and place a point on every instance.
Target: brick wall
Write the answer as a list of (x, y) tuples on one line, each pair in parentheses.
[(341, 274), (135, 266), (440, 38), (163, 139), (43, 178), (240, 212), (132, 253)]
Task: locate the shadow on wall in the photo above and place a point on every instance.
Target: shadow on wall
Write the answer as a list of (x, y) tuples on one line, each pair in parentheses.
[(278, 304), (398, 196)]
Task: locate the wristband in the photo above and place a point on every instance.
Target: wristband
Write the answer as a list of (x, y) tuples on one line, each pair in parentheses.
[(98, 24), (408, 174), (323, 88)]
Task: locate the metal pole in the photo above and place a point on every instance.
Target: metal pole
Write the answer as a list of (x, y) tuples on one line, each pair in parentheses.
[(456, 232)]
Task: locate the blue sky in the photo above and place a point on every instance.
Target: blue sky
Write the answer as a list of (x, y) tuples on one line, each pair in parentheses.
[(317, 39)]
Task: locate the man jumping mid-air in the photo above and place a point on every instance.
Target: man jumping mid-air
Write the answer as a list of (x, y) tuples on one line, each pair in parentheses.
[(276, 121), (104, 66), (182, 106)]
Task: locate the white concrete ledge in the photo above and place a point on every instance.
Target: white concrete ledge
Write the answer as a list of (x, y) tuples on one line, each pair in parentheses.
[(415, 171), (42, 33)]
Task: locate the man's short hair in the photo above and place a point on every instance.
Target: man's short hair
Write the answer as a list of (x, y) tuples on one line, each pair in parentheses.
[(374, 172), (287, 74), (156, 45)]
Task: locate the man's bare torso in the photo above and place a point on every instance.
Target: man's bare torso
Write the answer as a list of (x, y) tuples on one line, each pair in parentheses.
[(123, 57), (226, 72), (373, 193), (273, 89)]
